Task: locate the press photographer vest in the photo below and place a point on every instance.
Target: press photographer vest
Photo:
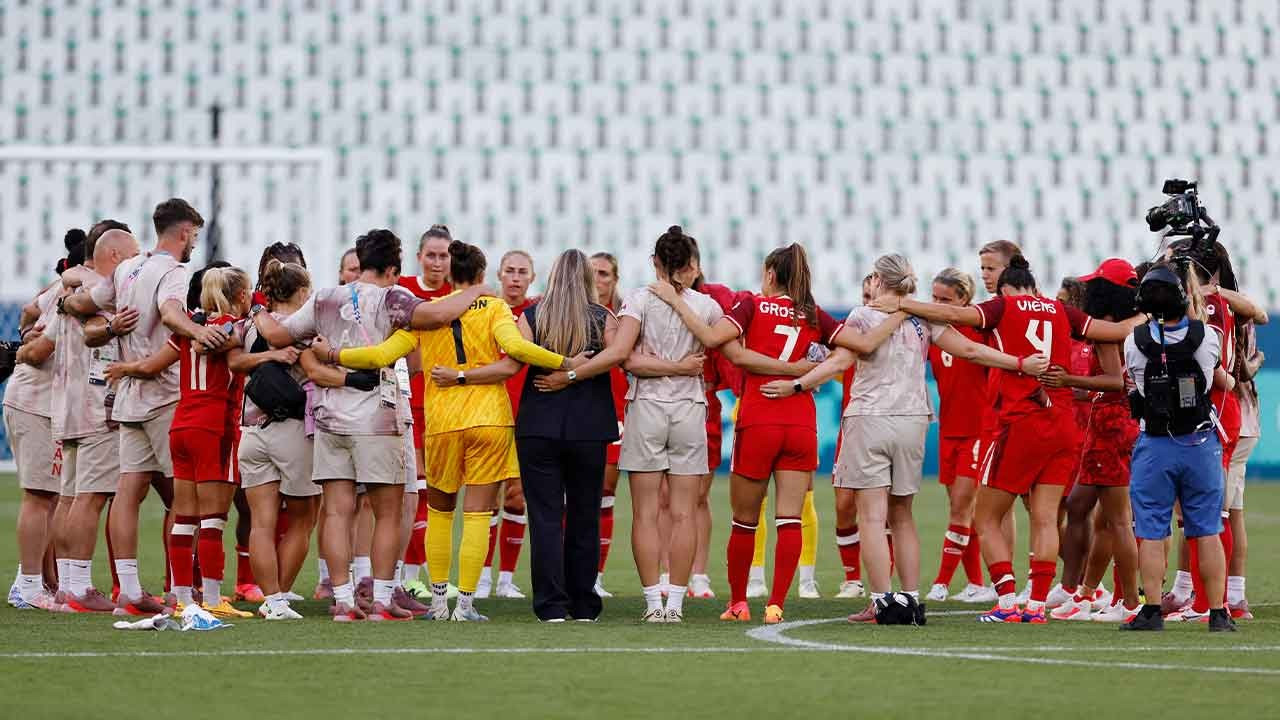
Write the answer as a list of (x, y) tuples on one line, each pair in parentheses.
[(1175, 394)]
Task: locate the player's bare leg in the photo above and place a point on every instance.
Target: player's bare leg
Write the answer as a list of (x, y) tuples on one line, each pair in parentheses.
[(340, 504), (848, 543), (387, 503), (990, 511), (646, 537), (123, 527), (35, 516), (664, 534), (699, 582), (684, 490)]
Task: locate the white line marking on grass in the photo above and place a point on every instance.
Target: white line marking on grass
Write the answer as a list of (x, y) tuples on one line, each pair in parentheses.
[(777, 634), (397, 651)]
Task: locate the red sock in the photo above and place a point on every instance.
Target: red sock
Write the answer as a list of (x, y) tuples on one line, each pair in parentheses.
[(954, 542), (511, 532), (606, 529), (786, 558), (182, 540), (111, 557), (1200, 603), (213, 560), (493, 539), (1042, 572), (972, 559), (850, 552), (742, 545), (416, 553), (1002, 577), (244, 568)]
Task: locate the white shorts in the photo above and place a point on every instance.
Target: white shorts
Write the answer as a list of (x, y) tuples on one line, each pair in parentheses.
[(882, 451), (364, 459), (670, 436), (34, 452), (96, 461), (281, 453), (144, 446), (1233, 499)]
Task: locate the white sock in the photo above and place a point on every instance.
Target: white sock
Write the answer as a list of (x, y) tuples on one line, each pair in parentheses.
[(363, 568), (183, 594), (411, 572), (398, 579), (345, 594), (466, 600), (806, 573), (486, 575), (1235, 589), (64, 574), (913, 593), (212, 590), (80, 573), (29, 586), (505, 578), (440, 595), (324, 570), (675, 597), (1034, 605), (1182, 585), (700, 577), (878, 596), (382, 590), (1008, 601), (653, 597), (757, 573), (127, 572)]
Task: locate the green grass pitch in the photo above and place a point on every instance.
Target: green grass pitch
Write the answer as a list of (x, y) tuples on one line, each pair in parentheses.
[(815, 666)]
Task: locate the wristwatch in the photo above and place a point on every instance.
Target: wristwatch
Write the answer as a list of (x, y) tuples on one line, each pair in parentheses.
[(797, 387), (257, 308), (462, 378), (111, 332), (573, 375)]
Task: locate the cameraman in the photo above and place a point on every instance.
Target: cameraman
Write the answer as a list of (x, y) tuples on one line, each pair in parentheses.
[(1178, 457)]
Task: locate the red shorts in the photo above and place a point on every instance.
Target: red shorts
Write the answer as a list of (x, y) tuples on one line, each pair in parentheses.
[(957, 457), (715, 441), (759, 450), (231, 451), (1038, 449), (613, 450), (1108, 446), (198, 455)]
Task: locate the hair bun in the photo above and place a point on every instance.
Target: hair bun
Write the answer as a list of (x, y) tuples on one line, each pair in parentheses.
[(1020, 262), (675, 230), (74, 237), (457, 247)]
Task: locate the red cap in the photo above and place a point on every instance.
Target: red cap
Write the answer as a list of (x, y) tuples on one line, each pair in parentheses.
[(1117, 271)]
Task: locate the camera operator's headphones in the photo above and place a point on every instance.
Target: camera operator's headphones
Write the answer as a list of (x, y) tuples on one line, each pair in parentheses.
[(1163, 275)]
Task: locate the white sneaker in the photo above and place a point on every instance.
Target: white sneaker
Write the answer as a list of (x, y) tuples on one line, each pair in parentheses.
[(15, 597), (848, 589), (700, 587), (756, 588), (437, 612), (600, 591), (1023, 597), (1057, 597), (1187, 614), (1113, 614), (292, 596), (468, 615), (673, 616), (280, 612), (508, 590), (937, 593), (1072, 610), (485, 586), (976, 594), (1101, 599), (656, 615), (809, 590)]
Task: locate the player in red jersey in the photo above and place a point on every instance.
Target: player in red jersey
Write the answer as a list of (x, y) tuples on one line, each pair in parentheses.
[(775, 436), (1035, 438), (604, 267), (203, 482), (1103, 474), (433, 260), (962, 387)]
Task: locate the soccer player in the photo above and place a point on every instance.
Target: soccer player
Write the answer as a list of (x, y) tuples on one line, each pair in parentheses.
[(775, 437), (1103, 475), (515, 275), (1035, 439), (358, 434), (469, 433), (28, 427), (962, 387), (432, 283), (90, 443), (198, 437), (848, 541), (604, 267), (154, 285)]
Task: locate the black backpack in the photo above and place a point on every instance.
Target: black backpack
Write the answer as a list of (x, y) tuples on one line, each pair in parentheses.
[(272, 388)]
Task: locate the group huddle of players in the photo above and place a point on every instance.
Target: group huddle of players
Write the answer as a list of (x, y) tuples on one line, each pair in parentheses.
[(307, 409)]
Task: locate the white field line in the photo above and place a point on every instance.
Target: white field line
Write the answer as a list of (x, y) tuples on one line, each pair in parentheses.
[(398, 651), (777, 634)]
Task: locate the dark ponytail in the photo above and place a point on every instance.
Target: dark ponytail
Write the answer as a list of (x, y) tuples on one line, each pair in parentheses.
[(790, 266), (1017, 275), (674, 251), (466, 263)]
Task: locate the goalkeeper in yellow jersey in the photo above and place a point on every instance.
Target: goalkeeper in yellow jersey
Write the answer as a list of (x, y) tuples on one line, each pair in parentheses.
[(469, 435)]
